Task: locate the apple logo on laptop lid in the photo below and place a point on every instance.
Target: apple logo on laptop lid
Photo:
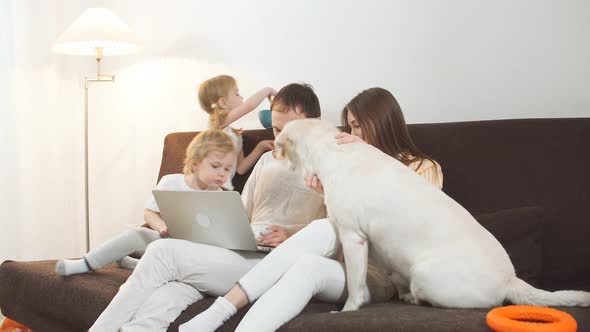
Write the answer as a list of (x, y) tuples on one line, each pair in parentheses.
[(203, 220)]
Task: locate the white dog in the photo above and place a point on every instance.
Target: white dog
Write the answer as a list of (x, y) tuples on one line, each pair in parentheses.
[(436, 251)]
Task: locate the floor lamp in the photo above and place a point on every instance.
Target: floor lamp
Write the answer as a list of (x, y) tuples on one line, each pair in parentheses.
[(97, 32)]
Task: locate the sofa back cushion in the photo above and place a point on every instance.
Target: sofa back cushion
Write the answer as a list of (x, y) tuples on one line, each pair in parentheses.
[(519, 232), (494, 165)]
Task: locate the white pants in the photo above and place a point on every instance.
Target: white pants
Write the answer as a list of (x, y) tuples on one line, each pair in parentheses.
[(129, 242), (170, 276), (299, 269)]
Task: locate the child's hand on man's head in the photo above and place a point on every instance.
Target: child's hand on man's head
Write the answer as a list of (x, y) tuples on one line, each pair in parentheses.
[(270, 94), (277, 236)]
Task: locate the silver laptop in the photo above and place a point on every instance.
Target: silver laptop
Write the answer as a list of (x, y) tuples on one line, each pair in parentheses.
[(217, 218)]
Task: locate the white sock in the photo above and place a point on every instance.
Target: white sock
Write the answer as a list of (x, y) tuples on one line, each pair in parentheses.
[(128, 262), (66, 267), (210, 319)]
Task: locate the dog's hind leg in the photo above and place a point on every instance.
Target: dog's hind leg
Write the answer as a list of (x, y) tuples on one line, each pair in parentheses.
[(444, 284), (403, 288), (355, 249)]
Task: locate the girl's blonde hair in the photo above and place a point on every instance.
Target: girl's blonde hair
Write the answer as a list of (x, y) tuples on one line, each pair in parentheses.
[(202, 144), (209, 93)]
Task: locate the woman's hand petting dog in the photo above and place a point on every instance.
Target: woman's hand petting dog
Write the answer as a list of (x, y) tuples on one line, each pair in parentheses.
[(345, 138)]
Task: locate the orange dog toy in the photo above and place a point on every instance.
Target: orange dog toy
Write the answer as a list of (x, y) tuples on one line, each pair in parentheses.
[(523, 318), (12, 326)]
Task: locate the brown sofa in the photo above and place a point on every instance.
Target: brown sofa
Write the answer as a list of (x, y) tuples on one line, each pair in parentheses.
[(527, 181)]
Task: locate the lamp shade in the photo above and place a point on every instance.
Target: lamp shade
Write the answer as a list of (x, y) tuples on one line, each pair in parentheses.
[(97, 28)]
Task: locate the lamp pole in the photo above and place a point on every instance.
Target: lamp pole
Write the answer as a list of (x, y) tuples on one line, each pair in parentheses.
[(96, 32), (99, 78)]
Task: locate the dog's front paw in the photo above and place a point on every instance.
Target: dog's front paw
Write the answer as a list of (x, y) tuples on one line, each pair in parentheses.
[(351, 305), (409, 298)]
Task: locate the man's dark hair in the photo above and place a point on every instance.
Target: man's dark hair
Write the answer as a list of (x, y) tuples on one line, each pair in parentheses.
[(298, 95)]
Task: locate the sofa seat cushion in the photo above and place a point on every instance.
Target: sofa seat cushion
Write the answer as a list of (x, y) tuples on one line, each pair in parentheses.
[(398, 316), (31, 293), (74, 300)]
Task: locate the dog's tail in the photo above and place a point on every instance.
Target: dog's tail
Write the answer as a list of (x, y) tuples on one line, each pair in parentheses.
[(519, 292)]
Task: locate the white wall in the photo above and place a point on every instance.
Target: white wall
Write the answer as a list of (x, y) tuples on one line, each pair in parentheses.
[(445, 61), (40, 140)]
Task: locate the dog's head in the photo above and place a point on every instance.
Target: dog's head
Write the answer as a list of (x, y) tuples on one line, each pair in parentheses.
[(299, 139)]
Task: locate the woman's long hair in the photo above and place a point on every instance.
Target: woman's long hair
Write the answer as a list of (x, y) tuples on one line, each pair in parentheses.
[(383, 125)]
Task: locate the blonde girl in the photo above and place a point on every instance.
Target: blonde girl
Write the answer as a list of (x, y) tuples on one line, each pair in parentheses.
[(207, 165), (220, 98)]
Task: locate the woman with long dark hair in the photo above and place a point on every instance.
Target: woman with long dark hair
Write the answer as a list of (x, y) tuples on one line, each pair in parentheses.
[(375, 117)]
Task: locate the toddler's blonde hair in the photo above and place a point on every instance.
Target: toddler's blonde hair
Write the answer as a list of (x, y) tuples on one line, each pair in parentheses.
[(205, 142), (209, 93)]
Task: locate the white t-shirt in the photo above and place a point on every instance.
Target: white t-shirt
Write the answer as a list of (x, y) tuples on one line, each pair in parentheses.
[(238, 144), (172, 182), (274, 194)]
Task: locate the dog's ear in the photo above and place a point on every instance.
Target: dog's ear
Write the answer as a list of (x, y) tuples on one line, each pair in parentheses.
[(287, 151), (279, 150)]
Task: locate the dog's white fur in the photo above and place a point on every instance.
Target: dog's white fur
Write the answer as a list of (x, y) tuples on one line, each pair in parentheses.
[(436, 251)]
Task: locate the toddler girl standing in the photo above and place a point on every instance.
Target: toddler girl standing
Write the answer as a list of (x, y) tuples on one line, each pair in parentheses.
[(220, 98)]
